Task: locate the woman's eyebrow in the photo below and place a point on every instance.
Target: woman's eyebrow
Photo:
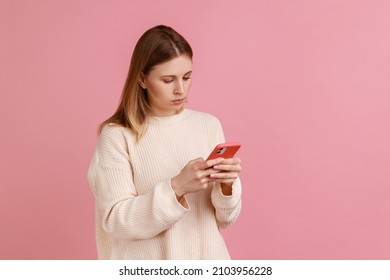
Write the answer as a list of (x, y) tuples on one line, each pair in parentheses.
[(173, 76)]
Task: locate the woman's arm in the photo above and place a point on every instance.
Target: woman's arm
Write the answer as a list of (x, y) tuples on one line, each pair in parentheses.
[(125, 214), (226, 194), (227, 207)]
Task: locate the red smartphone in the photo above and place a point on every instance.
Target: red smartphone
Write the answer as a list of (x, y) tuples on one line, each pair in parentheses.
[(225, 150)]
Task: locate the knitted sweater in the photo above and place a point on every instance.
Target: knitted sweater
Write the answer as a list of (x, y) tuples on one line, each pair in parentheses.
[(137, 213)]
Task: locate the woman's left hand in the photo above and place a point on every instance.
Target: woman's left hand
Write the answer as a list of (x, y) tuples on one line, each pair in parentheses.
[(229, 170)]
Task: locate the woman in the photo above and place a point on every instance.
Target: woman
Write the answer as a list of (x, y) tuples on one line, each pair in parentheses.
[(156, 197)]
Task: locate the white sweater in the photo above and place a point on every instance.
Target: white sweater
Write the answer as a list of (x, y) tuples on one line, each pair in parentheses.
[(137, 213)]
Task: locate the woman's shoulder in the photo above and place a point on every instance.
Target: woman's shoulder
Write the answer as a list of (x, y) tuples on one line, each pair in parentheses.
[(112, 130), (115, 134)]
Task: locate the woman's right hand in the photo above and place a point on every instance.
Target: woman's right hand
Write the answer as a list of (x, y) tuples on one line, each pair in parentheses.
[(194, 177)]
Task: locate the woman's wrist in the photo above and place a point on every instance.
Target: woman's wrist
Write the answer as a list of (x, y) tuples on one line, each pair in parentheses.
[(174, 187), (227, 189)]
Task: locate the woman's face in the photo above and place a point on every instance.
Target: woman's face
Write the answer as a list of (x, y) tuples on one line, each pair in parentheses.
[(167, 85)]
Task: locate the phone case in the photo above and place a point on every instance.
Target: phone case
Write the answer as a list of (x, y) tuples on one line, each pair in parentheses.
[(225, 150)]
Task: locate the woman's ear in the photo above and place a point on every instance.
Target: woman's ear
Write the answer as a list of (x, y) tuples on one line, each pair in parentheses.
[(141, 80)]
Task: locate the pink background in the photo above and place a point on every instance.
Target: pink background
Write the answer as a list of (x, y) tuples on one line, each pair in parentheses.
[(304, 85)]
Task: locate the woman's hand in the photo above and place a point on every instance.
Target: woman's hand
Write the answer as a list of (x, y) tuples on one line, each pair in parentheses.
[(195, 176), (228, 171)]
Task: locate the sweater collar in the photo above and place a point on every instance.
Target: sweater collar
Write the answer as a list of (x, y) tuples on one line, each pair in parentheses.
[(169, 119)]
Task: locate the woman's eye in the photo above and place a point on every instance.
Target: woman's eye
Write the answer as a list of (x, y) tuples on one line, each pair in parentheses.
[(168, 81), (186, 78)]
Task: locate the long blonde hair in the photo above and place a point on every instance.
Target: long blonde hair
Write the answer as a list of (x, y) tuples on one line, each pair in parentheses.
[(157, 45)]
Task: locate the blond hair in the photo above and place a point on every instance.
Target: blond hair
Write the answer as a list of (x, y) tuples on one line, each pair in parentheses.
[(157, 45)]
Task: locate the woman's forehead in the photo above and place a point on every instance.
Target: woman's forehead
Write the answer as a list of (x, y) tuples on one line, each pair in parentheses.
[(180, 65)]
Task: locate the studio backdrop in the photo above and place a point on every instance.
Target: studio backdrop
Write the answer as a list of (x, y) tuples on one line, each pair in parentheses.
[(303, 85)]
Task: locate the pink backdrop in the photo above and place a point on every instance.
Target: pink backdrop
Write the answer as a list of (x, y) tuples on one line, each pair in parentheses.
[(304, 85)]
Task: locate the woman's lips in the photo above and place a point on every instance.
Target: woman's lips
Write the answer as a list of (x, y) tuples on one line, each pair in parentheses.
[(178, 101)]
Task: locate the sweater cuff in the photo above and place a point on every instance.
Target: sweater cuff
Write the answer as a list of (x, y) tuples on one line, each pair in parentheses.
[(167, 192), (222, 201)]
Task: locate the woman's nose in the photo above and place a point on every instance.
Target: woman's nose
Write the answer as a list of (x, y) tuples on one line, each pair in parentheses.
[(179, 89)]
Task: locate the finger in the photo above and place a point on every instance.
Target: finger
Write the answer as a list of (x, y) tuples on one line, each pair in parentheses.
[(224, 175), (208, 172), (196, 161), (212, 162), (204, 183), (232, 161), (225, 181), (198, 164), (226, 167)]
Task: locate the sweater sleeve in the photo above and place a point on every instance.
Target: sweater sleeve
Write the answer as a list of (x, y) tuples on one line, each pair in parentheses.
[(124, 213), (227, 207)]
